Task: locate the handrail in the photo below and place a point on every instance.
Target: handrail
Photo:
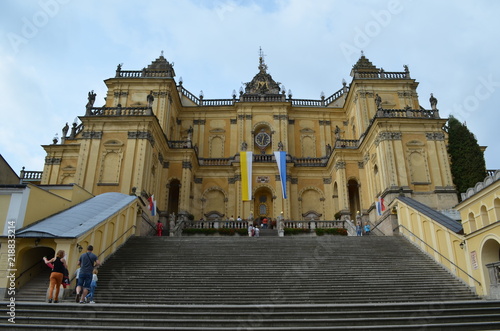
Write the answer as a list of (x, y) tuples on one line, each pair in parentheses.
[(25, 271), (133, 226), (402, 226), (151, 225)]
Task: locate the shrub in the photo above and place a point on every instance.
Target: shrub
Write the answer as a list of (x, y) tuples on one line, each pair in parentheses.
[(199, 231), (292, 231), (332, 231)]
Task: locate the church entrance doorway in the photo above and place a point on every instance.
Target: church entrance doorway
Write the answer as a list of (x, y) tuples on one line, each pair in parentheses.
[(354, 203), (173, 196), (263, 205)]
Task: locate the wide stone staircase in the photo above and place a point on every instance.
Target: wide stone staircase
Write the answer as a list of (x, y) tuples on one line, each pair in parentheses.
[(268, 283)]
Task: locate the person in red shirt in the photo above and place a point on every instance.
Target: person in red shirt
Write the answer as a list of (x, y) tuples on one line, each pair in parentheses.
[(159, 228), (264, 223)]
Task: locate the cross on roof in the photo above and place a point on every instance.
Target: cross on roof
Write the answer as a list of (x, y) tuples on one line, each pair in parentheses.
[(261, 53)]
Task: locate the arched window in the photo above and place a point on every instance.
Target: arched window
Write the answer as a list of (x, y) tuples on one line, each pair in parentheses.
[(484, 216), (496, 206), (377, 179), (472, 222)]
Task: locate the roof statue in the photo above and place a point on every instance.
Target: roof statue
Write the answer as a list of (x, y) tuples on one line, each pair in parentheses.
[(65, 130), (262, 83), (433, 102)]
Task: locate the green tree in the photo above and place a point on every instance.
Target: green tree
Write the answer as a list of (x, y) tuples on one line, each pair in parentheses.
[(467, 159)]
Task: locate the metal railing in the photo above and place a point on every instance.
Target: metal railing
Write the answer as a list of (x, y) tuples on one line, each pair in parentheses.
[(102, 252), (434, 250), (39, 264)]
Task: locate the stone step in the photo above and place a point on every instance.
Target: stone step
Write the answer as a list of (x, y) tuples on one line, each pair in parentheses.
[(268, 283), (424, 316)]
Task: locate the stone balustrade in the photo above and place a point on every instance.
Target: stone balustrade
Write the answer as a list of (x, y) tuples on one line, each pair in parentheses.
[(308, 103), (215, 224), (215, 161), (313, 224), (346, 143), (120, 111), (381, 75), (264, 158), (217, 102), (408, 113), (310, 161), (30, 176), (179, 144), (144, 73)]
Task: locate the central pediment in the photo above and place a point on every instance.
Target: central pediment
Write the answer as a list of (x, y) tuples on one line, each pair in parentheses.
[(263, 82)]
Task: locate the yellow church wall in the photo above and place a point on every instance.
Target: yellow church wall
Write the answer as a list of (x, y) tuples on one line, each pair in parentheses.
[(484, 208), (106, 238), (433, 238), (74, 193), (42, 204), (61, 164), (465, 256)]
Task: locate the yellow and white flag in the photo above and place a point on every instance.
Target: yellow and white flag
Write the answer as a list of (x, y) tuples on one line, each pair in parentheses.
[(246, 159)]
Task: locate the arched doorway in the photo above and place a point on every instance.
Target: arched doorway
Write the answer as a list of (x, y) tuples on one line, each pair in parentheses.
[(263, 204), (354, 204), (490, 253), (32, 265), (173, 196)]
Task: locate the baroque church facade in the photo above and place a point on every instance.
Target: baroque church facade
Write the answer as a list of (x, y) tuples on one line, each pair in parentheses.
[(370, 140)]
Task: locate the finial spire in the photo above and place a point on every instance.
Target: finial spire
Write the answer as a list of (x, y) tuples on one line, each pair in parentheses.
[(262, 65)]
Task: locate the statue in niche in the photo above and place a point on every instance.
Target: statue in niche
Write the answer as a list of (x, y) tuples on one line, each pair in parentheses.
[(328, 149), (378, 101), (65, 130), (280, 146), (337, 132), (190, 135), (244, 146), (150, 99), (433, 102)]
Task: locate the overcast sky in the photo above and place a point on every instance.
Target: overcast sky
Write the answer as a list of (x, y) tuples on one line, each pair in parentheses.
[(53, 52)]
